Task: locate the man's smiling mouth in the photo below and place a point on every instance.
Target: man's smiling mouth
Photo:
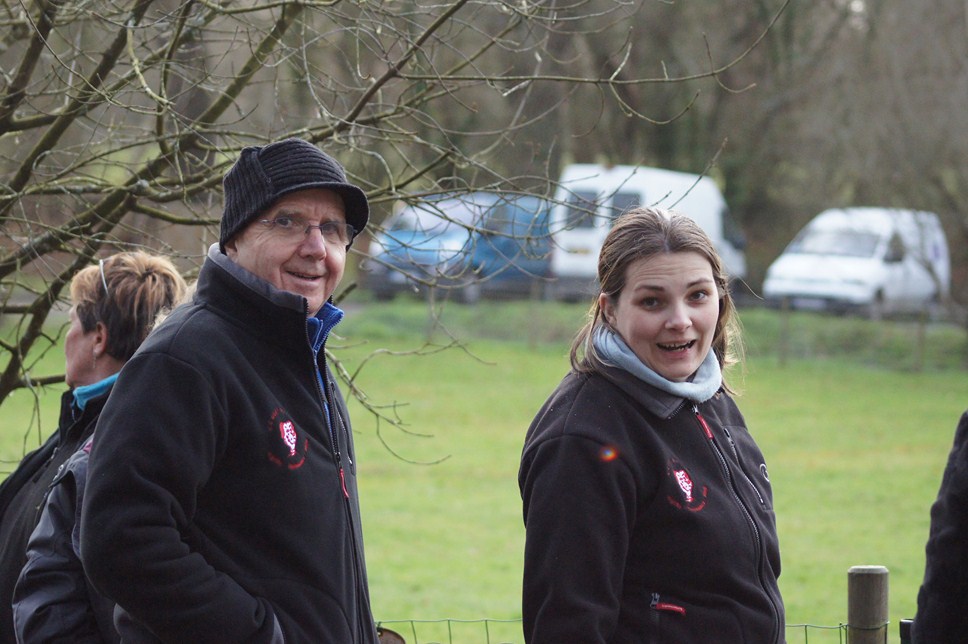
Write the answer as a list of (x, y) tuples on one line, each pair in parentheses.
[(304, 276)]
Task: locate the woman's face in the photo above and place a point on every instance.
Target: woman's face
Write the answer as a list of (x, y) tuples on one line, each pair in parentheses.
[(667, 312), (79, 353)]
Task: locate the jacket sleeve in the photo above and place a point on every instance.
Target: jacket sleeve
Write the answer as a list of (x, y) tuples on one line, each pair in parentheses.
[(578, 512), (157, 441), (942, 614), (50, 601)]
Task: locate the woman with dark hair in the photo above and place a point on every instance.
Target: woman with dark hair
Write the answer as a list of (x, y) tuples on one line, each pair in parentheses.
[(647, 506), (114, 306)]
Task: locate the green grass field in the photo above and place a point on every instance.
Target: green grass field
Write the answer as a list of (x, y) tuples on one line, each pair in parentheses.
[(856, 440)]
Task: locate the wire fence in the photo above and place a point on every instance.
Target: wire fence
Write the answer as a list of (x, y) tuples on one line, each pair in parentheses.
[(508, 631)]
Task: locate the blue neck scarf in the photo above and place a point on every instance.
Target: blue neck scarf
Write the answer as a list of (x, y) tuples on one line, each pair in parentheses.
[(84, 393), (704, 384)]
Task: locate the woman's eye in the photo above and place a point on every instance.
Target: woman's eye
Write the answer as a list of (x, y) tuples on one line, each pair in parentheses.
[(700, 295)]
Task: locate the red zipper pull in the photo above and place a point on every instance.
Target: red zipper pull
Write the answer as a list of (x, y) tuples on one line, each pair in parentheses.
[(705, 425), (657, 604), (342, 480)]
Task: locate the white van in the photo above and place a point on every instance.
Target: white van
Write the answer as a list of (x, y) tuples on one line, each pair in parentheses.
[(879, 261), (590, 196)]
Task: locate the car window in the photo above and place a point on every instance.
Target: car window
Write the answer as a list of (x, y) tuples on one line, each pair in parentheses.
[(581, 209), (499, 218), (622, 201), (446, 216), (847, 243)]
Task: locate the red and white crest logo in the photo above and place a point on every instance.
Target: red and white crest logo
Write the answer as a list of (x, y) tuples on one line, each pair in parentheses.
[(682, 477), (688, 494), (286, 446), (288, 433)]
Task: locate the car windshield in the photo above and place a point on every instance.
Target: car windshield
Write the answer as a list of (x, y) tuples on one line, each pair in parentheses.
[(442, 217), (848, 243)]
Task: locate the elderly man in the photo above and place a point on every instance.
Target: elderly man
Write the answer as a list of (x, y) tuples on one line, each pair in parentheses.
[(222, 502)]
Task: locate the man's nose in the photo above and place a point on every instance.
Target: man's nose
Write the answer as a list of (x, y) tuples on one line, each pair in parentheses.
[(313, 242)]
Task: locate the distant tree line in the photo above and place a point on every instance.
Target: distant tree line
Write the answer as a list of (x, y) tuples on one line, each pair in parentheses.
[(117, 120)]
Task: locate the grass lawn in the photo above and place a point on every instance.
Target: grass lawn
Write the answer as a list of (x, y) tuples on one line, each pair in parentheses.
[(855, 439), (855, 450)]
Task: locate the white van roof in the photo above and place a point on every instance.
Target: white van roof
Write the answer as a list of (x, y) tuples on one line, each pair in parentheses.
[(696, 196), (873, 219)]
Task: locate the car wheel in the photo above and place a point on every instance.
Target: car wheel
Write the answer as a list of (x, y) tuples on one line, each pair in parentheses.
[(470, 294), (384, 296), (876, 309)]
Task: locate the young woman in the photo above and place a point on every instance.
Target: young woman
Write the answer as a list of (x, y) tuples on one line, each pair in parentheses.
[(647, 504)]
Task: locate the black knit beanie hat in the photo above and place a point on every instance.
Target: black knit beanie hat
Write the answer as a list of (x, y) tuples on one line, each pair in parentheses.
[(262, 175)]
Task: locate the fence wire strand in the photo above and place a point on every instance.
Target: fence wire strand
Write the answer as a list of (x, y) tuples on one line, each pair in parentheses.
[(508, 631)]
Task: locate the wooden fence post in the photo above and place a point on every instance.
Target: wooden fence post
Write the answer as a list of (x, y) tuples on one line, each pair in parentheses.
[(867, 610)]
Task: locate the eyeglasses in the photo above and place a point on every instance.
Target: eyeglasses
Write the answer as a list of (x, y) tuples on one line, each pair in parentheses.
[(104, 280), (293, 229)]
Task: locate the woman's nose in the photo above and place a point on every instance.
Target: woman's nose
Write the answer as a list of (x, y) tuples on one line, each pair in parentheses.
[(679, 317)]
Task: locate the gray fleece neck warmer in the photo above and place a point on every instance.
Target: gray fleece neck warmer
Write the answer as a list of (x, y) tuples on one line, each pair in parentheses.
[(704, 384)]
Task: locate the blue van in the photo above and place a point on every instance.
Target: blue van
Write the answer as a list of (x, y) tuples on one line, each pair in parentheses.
[(466, 245)]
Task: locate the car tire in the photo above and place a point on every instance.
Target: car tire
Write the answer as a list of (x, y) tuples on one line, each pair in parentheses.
[(877, 308), (469, 294), (384, 296)]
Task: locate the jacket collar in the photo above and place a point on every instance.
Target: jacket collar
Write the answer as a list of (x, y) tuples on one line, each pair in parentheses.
[(256, 285), (661, 403), (72, 419)]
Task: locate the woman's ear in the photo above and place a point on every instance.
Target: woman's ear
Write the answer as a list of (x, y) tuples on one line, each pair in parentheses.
[(606, 307), (100, 339)]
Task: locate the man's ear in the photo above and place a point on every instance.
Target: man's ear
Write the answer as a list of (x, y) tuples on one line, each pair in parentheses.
[(231, 249)]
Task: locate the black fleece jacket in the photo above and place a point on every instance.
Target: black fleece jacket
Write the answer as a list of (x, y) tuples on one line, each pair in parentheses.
[(942, 615), (53, 600), (22, 496), (221, 502), (648, 519)]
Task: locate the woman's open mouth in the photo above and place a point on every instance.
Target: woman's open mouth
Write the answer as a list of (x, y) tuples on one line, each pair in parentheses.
[(677, 347)]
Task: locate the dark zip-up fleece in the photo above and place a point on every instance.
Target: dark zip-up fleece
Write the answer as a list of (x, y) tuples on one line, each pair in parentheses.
[(942, 615), (22, 495), (217, 509), (53, 600), (649, 519)]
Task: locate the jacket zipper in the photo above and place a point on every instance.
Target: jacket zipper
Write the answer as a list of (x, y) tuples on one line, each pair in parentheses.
[(732, 445), (323, 387), (731, 479), (331, 413)]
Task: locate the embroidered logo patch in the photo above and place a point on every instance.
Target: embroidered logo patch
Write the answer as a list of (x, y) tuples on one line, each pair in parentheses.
[(688, 493), (286, 446)]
